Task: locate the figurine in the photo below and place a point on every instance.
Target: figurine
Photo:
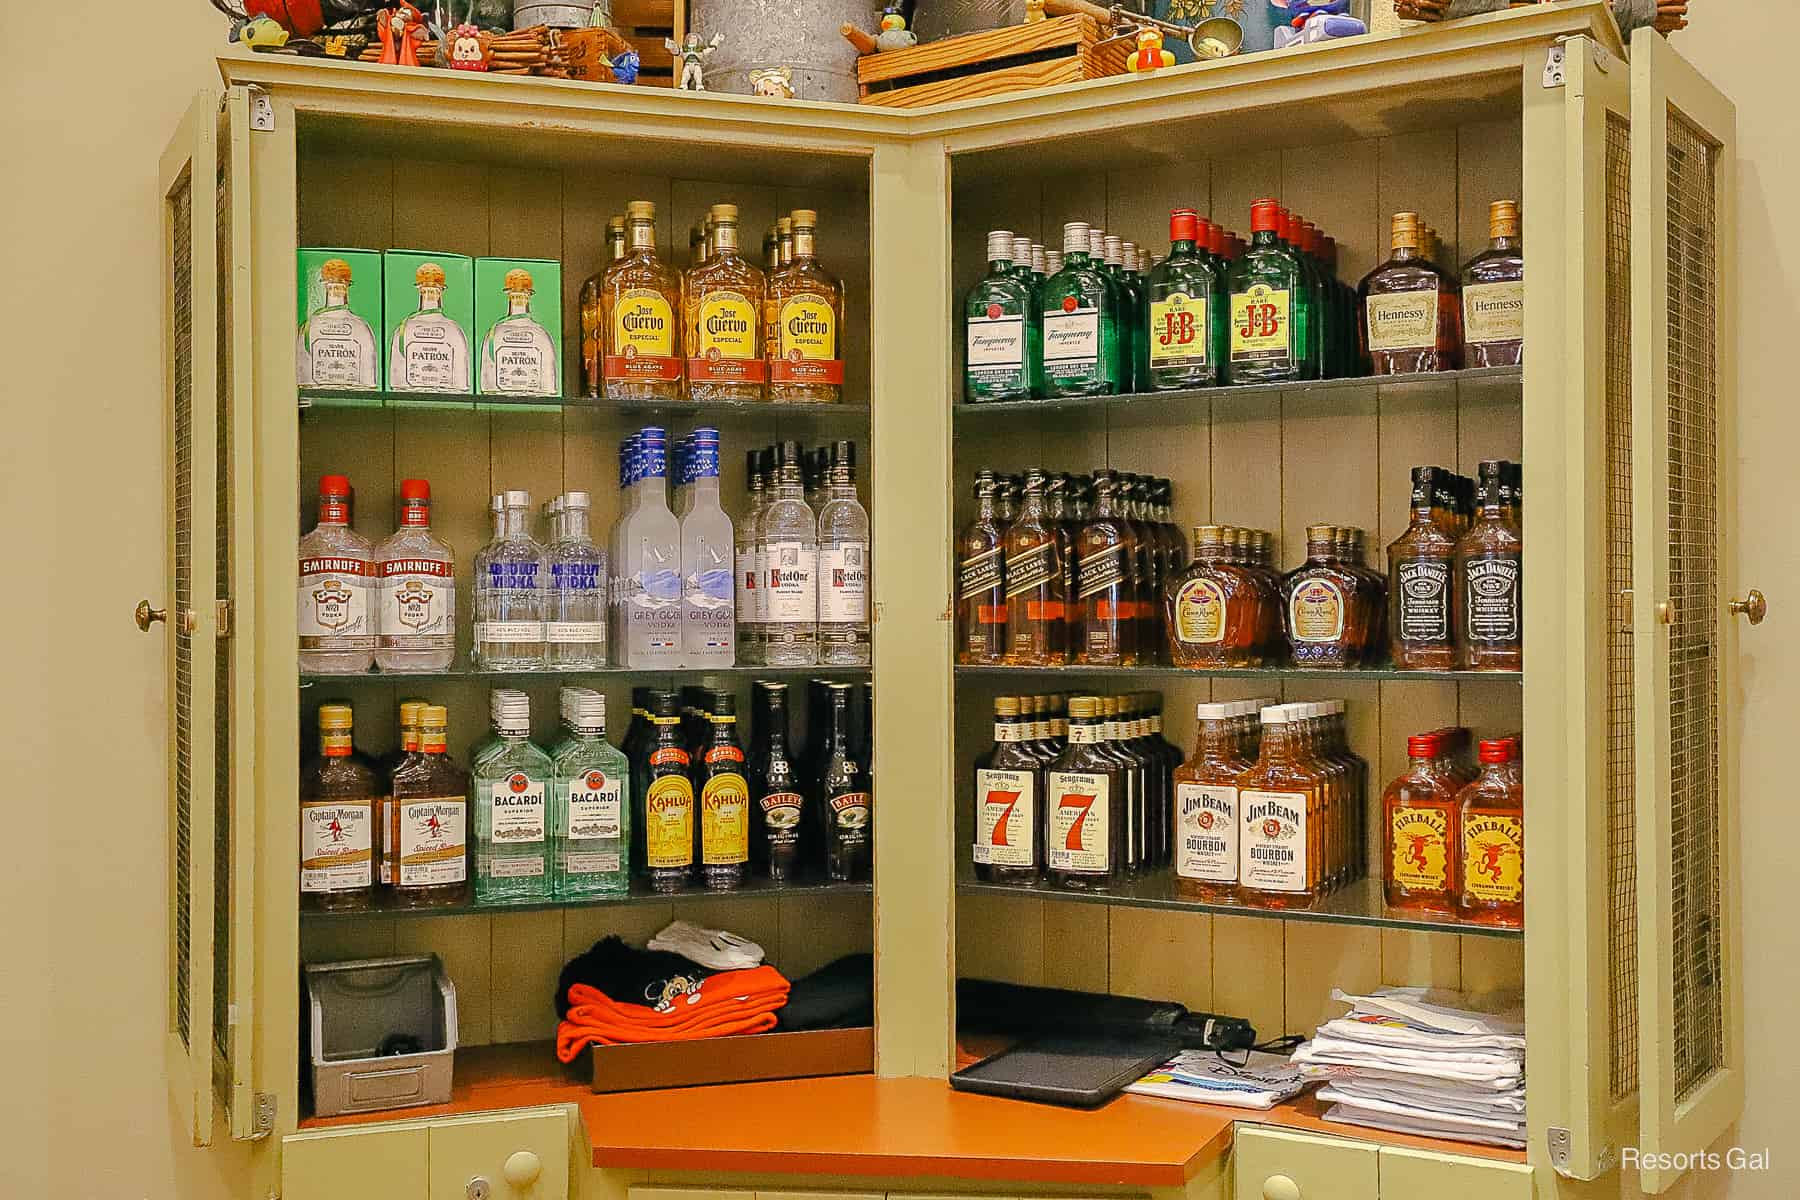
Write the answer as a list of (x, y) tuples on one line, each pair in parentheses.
[(1316, 22), (1149, 55), (1034, 11), (894, 34), (625, 66), (774, 82), (692, 54), (262, 32), (466, 53), (402, 28)]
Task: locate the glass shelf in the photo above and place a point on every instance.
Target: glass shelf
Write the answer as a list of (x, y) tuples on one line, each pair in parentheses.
[(1380, 674), (640, 894), (1359, 903), (466, 402), (464, 671), (1503, 381)]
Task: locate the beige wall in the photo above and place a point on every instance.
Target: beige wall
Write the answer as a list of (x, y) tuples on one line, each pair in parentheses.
[(91, 92)]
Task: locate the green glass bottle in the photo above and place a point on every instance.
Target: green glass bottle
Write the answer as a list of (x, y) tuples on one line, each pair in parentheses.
[(1034, 333), (1002, 339), (1131, 297), (1298, 233), (1081, 323), (1183, 313), (1121, 311), (590, 808), (1273, 339)]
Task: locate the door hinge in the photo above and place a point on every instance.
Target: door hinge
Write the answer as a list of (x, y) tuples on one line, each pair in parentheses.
[(265, 1116), (262, 110), (222, 619), (1562, 1154), (1556, 59)]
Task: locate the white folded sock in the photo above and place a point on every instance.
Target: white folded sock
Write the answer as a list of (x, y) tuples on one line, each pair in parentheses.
[(718, 949)]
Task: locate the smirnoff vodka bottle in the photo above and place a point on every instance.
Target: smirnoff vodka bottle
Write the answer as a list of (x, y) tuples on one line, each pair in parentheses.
[(510, 584), (708, 618), (575, 633), (649, 566), (337, 618), (789, 546), (416, 576), (843, 565)]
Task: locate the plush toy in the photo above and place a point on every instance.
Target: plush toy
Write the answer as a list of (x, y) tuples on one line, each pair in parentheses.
[(1316, 22), (691, 54), (262, 32), (1034, 11), (1149, 55), (466, 53), (774, 82), (625, 66), (402, 29), (894, 34)]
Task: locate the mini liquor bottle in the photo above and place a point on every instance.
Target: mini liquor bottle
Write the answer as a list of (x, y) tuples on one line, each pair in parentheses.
[(639, 295), (337, 618), (1008, 802), (593, 335), (428, 822), (1421, 631), (589, 808), (723, 319), (430, 352), (415, 574), (1280, 799), (1036, 602), (1418, 813), (510, 796), (663, 806), (1184, 318), (846, 801), (1490, 589), (336, 347), (1114, 731), (1085, 806), (1410, 319), (981, 580), (1493, 294), (1102, 621), (1272, 338), (1321, 614), (1206, 808), (999, 321), (517, 357), (1490, 821), (510, 580), (724, 800), (805, 366), (778, 815), (843, 564), (338, 799), (1299, 235), (1080, 322), (575, 613)]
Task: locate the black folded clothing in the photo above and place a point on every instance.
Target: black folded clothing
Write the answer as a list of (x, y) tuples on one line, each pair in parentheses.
[(627, 974), (839, 995)]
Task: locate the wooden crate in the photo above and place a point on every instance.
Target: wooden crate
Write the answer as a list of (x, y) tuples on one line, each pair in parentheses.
[(1056, 50), (644, 24)]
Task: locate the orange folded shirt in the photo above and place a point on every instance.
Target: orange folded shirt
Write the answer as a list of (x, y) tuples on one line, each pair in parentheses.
[(722, 1005)]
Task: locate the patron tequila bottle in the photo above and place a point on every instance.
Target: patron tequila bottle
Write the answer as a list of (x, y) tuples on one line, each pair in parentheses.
[(1080, 320), (589, 808), (428, 821), (430, 352), (639, 296), (510, 798), (337, 576), (1184, 320), (722, 299), (843, 542), (338, 793), (789, 540), (336, 348), (1493, 294), (510, 583), (575, 620), (805, 366), (1272, 313), (416, 574), (517, 358), (708, 619)]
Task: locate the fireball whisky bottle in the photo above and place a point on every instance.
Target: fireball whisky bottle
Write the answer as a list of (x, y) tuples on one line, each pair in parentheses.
[(1490, 820), (1418, 813)]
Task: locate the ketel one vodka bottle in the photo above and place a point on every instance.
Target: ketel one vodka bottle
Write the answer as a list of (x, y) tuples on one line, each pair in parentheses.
[(1001, 329), (575, 625), (510, 795), (724, 799), (779, 810), (843, 564), (789, 540), (1081, 323), (430, 351), (748, 594), (648, 567), (415, 572), (708, 603), (666, 812), (336, 616), (510, 586), (846, 802), (517, 357), (337, 820), (336, 348), (1009, 802), (589, 807), (1084, 806)]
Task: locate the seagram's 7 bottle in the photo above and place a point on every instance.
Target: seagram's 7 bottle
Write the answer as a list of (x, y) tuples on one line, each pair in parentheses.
[(708, 620), (789, 540), (843, 565)]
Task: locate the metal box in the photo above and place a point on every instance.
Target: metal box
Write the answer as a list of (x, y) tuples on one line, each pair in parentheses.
[(354, 1007)]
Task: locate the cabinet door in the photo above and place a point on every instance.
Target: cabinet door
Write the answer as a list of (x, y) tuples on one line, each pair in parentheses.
[(523, 1156), (696, 1192), (1410, 1174), (1690, 1005), (1277, 1164), (391, 1163)]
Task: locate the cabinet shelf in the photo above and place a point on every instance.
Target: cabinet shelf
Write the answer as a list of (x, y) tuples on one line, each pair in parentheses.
[(1499, 383), (467, 402), (1359, 903), (467, 672), (1378, 674), (640, 894)]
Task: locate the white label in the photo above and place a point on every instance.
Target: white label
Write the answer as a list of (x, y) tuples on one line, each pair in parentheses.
[(996, 342), (434, 842), (1072, 338), (590, 862), (789, 569), (336, 847), (337, 357), (1005, 818), (1080, 818), (1273, 850), (595, 803), (334, 604), (521, 367), (415, 605), (1206, 832), (517, 803), (567, 632), (509, 631), (430, 361), (844, 584), (512, 866), (1494, 312)]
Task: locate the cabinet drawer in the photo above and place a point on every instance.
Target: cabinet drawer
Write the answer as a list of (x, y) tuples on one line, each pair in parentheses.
[(329, 1165), (1408, 1173), (1275, 1164), (699, 1192), (522, 1156)]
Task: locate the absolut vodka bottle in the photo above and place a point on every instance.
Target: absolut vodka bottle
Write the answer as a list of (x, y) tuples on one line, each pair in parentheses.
[(789, 546), (511, 802), (843, 565), (708, 610), (575, 633), (650, 563), (511, 578)]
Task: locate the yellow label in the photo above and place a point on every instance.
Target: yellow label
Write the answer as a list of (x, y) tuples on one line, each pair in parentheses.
[(643, 324), (1178, 330), (1316, 612), (669, 822), (1200, 613), (1261, 322), (725, 820), (1419, 847), (808, 328), (727, 326), (1494, 312), (1403, 320), (1493, 858)]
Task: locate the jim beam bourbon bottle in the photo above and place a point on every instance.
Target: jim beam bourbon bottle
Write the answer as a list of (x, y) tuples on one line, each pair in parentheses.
[(1009, 797), (1084, 806), (1036, 608), (1206, 807), (1418, 813), (981, 579), (1493, 288), (1421, 562), (1490, 592), (1490, 818), (1281, 799)]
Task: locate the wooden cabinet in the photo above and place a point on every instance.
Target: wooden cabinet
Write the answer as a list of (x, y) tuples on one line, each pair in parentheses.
[(1279, 1164), (1406, 1174), (522, 1157), (393, 1162)]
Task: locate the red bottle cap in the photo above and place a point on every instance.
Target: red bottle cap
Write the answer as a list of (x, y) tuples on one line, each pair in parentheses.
[(1495, 750), (1422, 745), (1184, 225), (334, 485), (1265, 216), (1237, 246), (1309, 236), (1328, 247), (1218, 241), (415, 489)]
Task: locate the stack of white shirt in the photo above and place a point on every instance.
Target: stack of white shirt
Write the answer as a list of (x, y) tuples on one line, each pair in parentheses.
[(1417, 1061), (1208, 1077)]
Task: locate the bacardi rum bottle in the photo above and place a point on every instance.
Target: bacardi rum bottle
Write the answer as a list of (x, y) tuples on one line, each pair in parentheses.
[(338, 792), (336, 348), (517, 357), (639, 296), (511, 802), (1493, 293), (430, 352), (590, 809), (843, 564), (1081, 323), (337, 616), (416, 575)]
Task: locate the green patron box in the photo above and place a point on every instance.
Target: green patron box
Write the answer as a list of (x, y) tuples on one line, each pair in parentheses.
[(339, 304), (518, 324), (429, 300)]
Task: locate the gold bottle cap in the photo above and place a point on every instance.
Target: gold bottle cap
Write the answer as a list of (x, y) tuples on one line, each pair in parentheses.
[(518, 280), (1006, 706), (1503, 218), (1083, 707), (784, 226), (334, 270), (615, 224), (1210, 535), (805, 218), (1321, 533), (434, 716), (641, 210), (409, 713), (429, 275), (334, 717), (724, 214), (1406, 231)]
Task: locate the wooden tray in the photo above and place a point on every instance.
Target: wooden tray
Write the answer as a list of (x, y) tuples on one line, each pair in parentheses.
[(1055, 50), (743, 1059)]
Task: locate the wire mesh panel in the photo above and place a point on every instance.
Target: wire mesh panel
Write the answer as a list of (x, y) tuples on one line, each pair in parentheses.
[(223, 664), (1694, 648), (181, 287), (1621, 743)]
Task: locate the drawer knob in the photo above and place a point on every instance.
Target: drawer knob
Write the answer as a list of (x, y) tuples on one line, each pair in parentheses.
[(523, 1168), (1280, 1187)]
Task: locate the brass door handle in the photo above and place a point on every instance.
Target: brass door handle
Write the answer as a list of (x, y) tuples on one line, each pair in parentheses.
[(145, 616), (1753, 606)]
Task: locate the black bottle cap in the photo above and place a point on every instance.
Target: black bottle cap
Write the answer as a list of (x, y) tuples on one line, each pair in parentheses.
[(1491, 469), (665, 703), (843, 454), (724, 704), (751, 459), (787, 454)]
